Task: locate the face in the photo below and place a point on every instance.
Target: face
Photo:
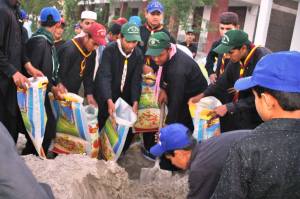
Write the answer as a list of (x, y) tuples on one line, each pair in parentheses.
[(128, 46), (58, 33), (180, 159), (86, 23), (154, 18), (113, 37), (77, 31), (90, 44), (162, 58), (237, 55), (223, 28), (189, 37)]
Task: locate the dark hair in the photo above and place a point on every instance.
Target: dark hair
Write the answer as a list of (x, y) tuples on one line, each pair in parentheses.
[(229, 18), (190, 147), (50, 22), (288, 101), (248, 45)]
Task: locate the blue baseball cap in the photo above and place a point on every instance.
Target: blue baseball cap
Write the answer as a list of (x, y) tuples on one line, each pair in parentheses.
[(172, 137), (277, 71), (136, 20), (155, 6), (49, 11), (23, 14)]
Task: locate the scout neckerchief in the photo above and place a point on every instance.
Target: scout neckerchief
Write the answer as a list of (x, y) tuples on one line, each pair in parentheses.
[(222, 68), (85, 55), (42, 32), (243, 67), (125, 64)]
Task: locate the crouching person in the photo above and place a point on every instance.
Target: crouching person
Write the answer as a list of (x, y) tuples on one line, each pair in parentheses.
[(203, 160)]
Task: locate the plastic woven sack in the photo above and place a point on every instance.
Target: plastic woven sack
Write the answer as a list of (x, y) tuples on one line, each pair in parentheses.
[(77, 126), (114, 132), (31, 103), (204, 125)]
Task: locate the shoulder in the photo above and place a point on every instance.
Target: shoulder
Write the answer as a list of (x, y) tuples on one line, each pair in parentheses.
[(111, 47), (5, 12), (263, 51)]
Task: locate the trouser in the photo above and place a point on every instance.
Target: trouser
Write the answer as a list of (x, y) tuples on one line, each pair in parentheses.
[(16, 179), (50, 132)]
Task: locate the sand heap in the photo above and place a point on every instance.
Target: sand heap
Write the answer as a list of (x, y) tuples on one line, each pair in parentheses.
[(78, 176)]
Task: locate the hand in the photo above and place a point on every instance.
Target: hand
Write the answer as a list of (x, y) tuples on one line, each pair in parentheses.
[(162, 97), (91, 100), (135, 107), (20, 80), (213, 78), (57, 93), (62, 89), (34, 72), (111, 107), (147, 69), (232, 91), (221, 110), (196, 98)]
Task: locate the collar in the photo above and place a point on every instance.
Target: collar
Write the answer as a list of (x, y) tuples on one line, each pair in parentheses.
[(79, 41), (121, 50), (155, 29), (282, 124), (44, 33)]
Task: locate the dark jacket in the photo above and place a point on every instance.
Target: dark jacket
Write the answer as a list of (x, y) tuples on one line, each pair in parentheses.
[(244, 112), (70, 60), (109, 75), (11, 55), (264, 164), (182, 79), (211, 58), (207, 161), (192, 47)]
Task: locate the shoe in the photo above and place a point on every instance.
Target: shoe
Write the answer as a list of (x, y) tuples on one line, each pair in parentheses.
[(147, 155)]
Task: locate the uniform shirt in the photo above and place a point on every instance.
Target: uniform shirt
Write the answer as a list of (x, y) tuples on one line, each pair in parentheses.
[(244, 111), (70, 60), (207, 161), (264, 164), (182, 79)]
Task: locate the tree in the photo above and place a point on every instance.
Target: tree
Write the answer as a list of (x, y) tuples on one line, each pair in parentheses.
[(71, 10)]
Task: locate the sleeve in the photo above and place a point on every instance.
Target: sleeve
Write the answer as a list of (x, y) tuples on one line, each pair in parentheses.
[(235, 175), (222, 84), (210, 59), (5, 67), (241, 105), (105, 75), (88, 82), (137, 80), (64, 58)]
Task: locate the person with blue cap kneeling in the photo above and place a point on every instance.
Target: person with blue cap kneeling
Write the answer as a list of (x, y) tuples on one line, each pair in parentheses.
[(266, 163), (203, 160)]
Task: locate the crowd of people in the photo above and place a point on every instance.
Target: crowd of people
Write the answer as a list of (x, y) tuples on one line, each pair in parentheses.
[(256, 156)]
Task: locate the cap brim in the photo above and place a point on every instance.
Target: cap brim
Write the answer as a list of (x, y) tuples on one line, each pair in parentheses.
[(221, 49), (153, 10), (153, 52), (157, 150), (133, 37), (244, 83)]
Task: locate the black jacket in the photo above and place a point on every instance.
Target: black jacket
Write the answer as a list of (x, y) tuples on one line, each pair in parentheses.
[(192, 47), (70, 59), (182, 79), (265, 164), (11, 53), (244, 111), (211, 58), (109, 75), (207, 161)]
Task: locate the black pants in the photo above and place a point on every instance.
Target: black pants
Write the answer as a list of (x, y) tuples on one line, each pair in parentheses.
[(50, 132)]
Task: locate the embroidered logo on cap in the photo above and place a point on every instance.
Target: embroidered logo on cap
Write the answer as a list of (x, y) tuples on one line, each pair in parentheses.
[(153, 42), (225, 39), (133, 30)]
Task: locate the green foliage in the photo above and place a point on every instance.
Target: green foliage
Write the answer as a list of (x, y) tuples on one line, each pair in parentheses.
[(71, 10)]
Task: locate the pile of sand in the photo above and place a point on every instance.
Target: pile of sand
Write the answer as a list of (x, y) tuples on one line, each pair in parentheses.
[(78, 176)]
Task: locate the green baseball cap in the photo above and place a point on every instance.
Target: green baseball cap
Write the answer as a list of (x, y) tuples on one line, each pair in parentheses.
[(232, 39), (157, 43), (131, 32)]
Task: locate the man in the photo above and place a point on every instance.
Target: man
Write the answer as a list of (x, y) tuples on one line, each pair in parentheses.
[(266, 163), (87, 19), (42, 53), (189, 39), (120, 75), (12, 58), (77, 61), (228, 21), (243, 58), (178, 83), (204, 161), (58, 34), (154, 17), (16, 180), (114, 32)]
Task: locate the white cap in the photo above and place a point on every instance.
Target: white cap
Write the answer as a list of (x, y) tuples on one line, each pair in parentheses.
[(89, 15)]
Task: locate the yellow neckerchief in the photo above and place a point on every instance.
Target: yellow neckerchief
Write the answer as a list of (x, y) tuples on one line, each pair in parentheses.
[(243, 66), (85, 55)]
